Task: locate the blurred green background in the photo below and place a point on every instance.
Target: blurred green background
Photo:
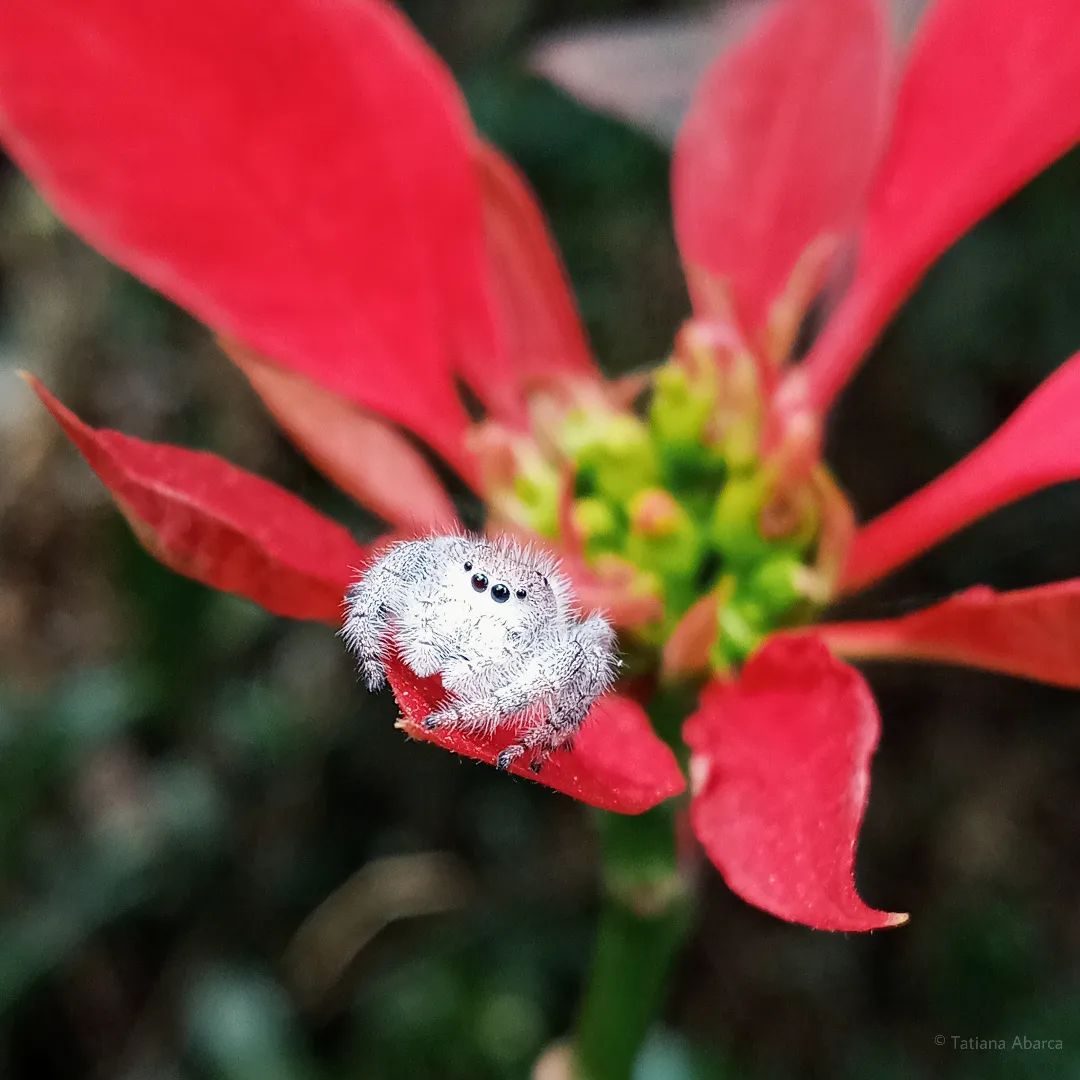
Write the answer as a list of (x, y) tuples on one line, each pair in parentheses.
[(219, 860)]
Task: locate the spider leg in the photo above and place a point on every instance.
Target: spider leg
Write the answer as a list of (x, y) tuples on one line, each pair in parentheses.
[(533, 739), (488, 710), (579, 670), (375, 602), (367, 622)]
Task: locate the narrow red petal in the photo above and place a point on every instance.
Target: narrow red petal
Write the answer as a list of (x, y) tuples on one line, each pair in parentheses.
[(686, 651), (990, 97), (540, 323), (1037, 446), (205, 518), (1031, 633), (618, 763), (778, 149), (781, 768), (299, 177), (360, 452)]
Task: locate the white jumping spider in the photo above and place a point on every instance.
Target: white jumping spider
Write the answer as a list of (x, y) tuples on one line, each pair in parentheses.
[(499, 624)]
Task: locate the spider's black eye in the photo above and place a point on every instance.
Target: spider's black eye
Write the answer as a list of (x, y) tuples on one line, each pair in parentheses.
[(521, 594), (468, 566), (500, 594), (479, 582)]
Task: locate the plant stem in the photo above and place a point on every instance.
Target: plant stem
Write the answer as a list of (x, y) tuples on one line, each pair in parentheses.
[(645, 917)]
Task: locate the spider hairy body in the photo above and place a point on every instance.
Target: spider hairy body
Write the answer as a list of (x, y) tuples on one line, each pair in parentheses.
[(498, 623)]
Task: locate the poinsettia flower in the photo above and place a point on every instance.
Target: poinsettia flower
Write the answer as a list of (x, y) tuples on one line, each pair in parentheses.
[(320, 200), (375, 253)]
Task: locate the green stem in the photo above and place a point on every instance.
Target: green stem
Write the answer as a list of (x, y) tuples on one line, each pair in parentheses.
[(645, 918)]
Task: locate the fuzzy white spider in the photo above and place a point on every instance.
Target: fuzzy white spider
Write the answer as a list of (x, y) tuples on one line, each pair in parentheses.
[(499, 623)]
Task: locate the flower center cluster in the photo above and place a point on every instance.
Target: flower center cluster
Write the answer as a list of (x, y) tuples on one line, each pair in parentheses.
[(675, 502)]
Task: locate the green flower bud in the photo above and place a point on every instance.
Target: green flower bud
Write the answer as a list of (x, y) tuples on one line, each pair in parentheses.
[(695, 473), (614, 454), (663, 536), (680, 410), (581, 430), (740, 632), (740, 444), (598, 524), (774, 584), (537, 489), (742, 414), (733, 527)]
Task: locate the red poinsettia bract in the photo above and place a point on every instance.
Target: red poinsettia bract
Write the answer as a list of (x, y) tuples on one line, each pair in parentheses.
[(308, 184)]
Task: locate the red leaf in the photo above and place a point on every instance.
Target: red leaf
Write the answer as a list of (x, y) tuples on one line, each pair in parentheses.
[(363, 454), (1037, 446), (781, 774), (541, 325), (220, 525), (990, 97), (617, 763), (298, 176), (1032, 633), (778, 150)]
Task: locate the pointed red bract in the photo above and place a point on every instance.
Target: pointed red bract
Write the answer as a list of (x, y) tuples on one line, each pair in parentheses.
[(211, 521), (618, 763), (1031, 633), (781, 763), (1037, 446), (778, 150), (297, 176), (686, 651), (363, 454), (990, 97), (541, 327)]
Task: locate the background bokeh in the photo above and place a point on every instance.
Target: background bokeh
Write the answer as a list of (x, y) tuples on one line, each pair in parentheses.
[(219, 860)]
